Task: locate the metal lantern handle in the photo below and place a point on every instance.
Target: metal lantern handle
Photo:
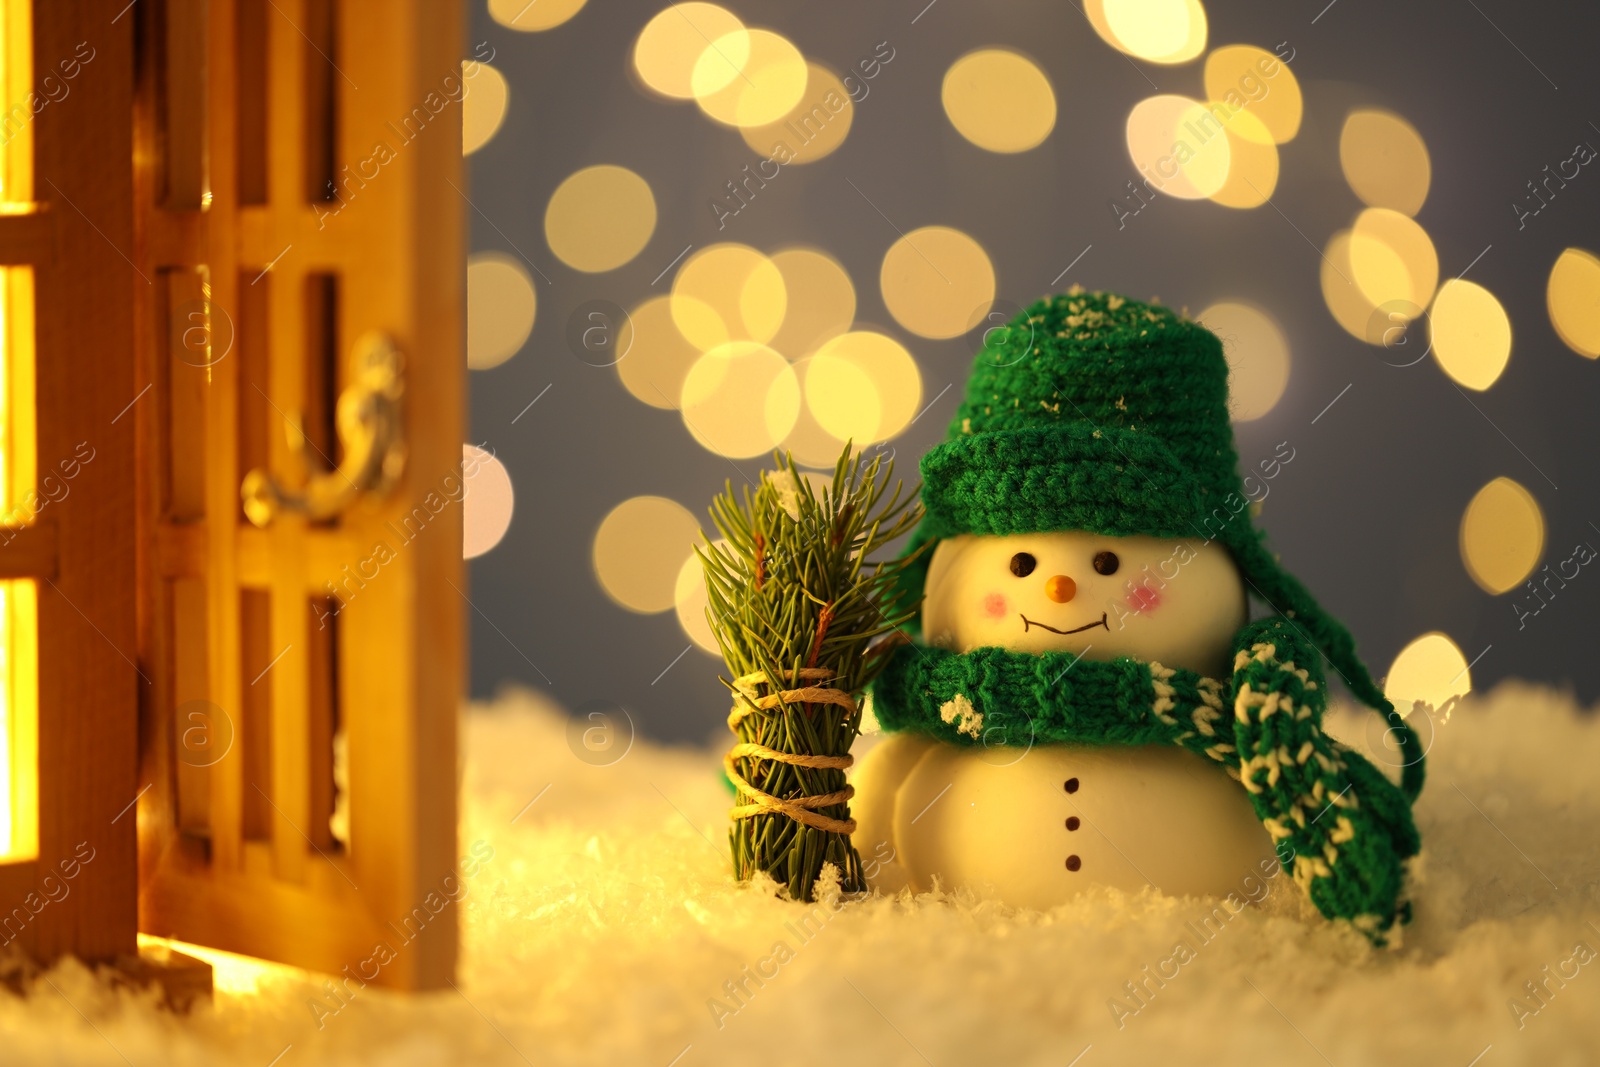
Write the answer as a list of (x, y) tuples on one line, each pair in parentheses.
[(367, 420)]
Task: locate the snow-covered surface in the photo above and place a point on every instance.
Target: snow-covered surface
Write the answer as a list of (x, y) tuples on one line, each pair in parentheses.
[(605, 927)]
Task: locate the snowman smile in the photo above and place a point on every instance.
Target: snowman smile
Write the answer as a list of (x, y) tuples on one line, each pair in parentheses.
[(1101, 621)]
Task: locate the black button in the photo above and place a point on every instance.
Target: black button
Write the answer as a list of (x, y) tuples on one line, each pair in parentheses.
[(1072, 822), (1073, 863), (1070, 785)]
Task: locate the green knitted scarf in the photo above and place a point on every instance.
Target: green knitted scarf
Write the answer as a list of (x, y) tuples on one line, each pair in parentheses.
[(1340, 825)]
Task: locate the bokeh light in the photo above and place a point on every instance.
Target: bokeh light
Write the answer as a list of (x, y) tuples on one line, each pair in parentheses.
[(1385, 161), (487, 501), (863, 386), (937, 282), (1158, 31), (1393, 261), (1179, 145), (999, 100), (728, 292), (529, 17), (1252, 164), (483, 108), (1573, 297), (1236, 75), (1257, 353), (600, 218), (1346, 303), (1471, 333), (1431, 669), (500, 309), (815, 127), (657, 356), (759, 90), (639, 549), (820, 301), (690, 601), (671, 43), (807, 441), (740, 399), (1502, 535)]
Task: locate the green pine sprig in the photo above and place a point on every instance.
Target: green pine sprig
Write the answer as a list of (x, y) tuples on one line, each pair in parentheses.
[(794, 584)]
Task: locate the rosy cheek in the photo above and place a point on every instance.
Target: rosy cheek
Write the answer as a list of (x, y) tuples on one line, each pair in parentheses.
[(995, 606), (1143, 599)]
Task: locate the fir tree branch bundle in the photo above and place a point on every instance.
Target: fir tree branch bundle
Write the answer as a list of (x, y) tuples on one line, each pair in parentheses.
[(795, 600)]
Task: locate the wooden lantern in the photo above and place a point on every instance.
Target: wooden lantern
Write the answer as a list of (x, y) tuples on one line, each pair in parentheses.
[(230, 620)]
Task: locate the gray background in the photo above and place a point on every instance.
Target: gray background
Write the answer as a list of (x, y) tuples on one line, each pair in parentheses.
[(1368, 513)]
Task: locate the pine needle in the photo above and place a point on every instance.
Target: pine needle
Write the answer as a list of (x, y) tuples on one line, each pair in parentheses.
[(794, 584)]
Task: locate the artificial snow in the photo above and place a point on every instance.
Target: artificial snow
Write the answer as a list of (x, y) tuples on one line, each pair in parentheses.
[(606, 930)]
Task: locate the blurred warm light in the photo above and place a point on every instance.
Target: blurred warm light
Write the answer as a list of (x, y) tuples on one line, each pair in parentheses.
[(671, 43), (600, 218), (1252, 164), (1234, 75), (231, 973), (639, 548), (656, 357), (500, 309), (1431, 669), (937, 282), (863, 386), (1573, 297), (530, 16), (812, 129), (1349, 308), (728, 292), (19, 720), (760, 90), (1179, 145), (807, 441), (1385, 161), (820, 301), (843, 398), (1258, 357), (1159, 31), (483, 109), (1393, 260), (690, 601), (1502, 535), (487, 502), (1471, 333), (999, 100), (740, 399)]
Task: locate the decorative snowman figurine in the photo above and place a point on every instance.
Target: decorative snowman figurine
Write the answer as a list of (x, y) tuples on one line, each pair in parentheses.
[(1091, 704)]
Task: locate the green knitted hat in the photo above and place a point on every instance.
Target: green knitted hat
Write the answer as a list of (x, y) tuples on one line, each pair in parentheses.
[(1093, 412)]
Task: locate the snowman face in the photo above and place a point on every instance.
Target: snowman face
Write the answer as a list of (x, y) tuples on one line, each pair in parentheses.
[(1177, 602)]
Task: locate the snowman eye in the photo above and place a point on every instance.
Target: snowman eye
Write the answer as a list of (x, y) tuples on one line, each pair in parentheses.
[(1106, 562), (1022, 564)]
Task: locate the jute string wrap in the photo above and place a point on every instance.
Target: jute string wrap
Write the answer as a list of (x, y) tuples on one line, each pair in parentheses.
[(748, 701)]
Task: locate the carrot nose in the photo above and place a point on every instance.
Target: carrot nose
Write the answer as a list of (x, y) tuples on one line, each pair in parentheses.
[(1061, 589)]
